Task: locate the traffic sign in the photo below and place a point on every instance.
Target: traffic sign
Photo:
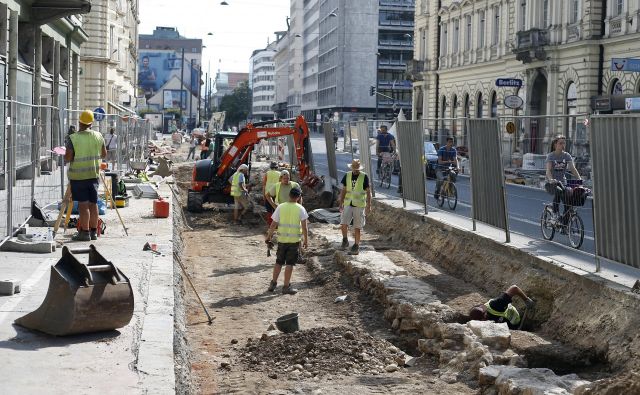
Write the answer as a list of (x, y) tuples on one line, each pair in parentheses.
[(513, 101), (98, 114), (511, 127), (509, 82)]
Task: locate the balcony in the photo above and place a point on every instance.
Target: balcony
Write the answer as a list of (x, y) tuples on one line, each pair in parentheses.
[(415, 68), (530, 45)]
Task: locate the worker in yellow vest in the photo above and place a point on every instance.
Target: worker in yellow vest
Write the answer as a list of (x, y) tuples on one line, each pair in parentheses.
[(355, 204), (500, 309), (290, 218), (279, 192), (240, 192), (85, 150), (271, 178)]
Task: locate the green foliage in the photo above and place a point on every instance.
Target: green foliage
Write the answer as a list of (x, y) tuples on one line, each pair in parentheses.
[(237, 105)]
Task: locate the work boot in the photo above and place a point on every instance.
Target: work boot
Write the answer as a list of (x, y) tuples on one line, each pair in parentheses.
[(93, 234), (272, 286), (289, 290), (355, 250), (345, 243), (82, 235)]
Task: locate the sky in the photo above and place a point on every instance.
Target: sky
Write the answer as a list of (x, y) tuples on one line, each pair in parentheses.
[(238, 28)]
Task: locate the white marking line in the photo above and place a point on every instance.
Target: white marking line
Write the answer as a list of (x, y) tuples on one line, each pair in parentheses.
[(25, 288)]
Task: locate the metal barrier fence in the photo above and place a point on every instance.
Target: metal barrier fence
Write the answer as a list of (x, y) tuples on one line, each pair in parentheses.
[(615, 151), (331, 144), (411, 148)]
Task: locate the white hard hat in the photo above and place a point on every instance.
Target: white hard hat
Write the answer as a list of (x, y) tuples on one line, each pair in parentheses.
[(243, 167)]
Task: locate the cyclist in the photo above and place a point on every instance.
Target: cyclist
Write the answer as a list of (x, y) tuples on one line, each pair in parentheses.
[(385, 142), (447, 156), (558, 161)]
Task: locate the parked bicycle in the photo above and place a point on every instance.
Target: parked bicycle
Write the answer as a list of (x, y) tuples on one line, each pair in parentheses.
[(448, 190), (570, 222), (386, 168)]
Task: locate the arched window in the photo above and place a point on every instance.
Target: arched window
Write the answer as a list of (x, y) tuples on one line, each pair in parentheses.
[(494, 105), (616, 87), (467, 106), (571, 108), (479, 105), (454, 114), (443, 112)]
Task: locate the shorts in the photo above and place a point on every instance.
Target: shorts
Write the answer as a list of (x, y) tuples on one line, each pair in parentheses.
[(84, 190), (288, 254), (241, 202), (111, 156), (355, 213)]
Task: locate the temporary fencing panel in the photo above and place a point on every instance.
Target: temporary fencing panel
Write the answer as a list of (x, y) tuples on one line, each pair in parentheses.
[(487, 179), (363, 149), (411, 146), (615, 151), (331, 152)]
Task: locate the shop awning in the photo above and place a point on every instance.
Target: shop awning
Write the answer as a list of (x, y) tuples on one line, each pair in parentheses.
[(45, 11)]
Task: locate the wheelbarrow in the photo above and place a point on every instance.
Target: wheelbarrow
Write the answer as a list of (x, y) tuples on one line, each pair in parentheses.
[(82, 298)]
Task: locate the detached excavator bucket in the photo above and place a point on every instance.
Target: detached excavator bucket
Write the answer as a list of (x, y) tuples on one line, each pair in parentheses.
[(82, 298)]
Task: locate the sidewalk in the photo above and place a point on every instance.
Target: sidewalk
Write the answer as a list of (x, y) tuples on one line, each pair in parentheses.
[(564, 257), (135, 359)]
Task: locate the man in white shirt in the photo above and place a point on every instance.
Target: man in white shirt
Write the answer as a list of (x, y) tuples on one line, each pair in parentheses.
[(112, 148)]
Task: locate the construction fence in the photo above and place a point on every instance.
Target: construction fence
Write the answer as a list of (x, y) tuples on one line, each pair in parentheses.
[(32, 169)]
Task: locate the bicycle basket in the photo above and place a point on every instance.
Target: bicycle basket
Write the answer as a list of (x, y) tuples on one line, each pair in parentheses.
[(578, 196)]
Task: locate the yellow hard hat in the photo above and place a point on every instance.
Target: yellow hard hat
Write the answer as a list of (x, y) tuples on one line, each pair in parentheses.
[(86, 117)]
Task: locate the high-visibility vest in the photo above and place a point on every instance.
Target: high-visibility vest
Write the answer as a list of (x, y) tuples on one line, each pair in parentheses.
[(510, 314), (273, 176), (289, 226), (284, 199), (355, 195), (235, 184), (87, 147)]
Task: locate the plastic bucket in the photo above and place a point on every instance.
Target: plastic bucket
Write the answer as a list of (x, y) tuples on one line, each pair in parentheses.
[(288, 323)]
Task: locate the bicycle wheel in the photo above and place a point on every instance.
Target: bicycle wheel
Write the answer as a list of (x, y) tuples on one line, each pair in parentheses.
[(546, 224), (443, 191), (387, 176), (381, 176), (575, 231), (452, 196)]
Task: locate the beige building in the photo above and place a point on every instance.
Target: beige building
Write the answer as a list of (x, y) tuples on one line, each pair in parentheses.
[(109, 58), (561, 51)]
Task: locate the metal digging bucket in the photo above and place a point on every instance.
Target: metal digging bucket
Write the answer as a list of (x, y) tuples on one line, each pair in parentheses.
[(288, 323), (82, 298)]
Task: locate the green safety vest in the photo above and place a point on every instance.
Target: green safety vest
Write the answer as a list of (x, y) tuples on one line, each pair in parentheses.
[(273, 176), (87, 150), (289, 226), (510, 314), (286, 198), (356, 196), (235, 184)]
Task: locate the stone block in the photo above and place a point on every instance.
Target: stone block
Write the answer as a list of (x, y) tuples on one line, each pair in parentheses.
[(407, 325), (454, 331), (9, 287), (512, 380), (491, 333)]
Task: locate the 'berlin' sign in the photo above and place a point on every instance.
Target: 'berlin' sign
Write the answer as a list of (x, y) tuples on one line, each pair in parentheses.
[(509, 82)]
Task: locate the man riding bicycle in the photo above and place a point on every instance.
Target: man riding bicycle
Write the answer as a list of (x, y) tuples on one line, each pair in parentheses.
[(447, 156), (385, 142), (558, 161)]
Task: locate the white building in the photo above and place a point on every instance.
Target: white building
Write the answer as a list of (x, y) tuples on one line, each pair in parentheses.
[(261, 83), (109, 58)]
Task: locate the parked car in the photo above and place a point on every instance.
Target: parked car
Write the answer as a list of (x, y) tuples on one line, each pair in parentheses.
[(431, 158)]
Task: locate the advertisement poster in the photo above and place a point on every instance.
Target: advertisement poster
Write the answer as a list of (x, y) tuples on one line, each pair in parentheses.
[(156, 67), (171, 98)]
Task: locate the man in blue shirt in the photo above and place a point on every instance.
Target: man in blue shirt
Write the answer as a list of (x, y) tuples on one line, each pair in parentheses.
[(385, 142), (447, 156)]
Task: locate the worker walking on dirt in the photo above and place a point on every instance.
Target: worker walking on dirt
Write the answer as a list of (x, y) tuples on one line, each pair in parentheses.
[(240, 192), (85, 149), (290, 218), (270, 179), (279, 192), (355, 204), (500, 309)]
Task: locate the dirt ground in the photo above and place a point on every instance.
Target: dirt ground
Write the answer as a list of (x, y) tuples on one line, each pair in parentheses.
[(341, 347)]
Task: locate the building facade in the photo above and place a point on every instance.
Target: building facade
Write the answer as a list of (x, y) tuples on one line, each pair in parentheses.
[(109, 59), (281, 78), (261, 83), (561, 51)]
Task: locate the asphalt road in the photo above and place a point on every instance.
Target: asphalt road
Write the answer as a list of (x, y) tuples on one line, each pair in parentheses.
[(524, 204)]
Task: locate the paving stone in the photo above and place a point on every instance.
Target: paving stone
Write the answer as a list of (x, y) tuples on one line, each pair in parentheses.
[(493, 334), (9, 287)]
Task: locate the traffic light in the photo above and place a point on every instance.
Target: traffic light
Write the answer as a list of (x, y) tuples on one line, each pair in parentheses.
[(372, 90)]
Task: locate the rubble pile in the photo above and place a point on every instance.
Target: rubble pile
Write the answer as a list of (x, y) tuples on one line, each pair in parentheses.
[(322, 351)]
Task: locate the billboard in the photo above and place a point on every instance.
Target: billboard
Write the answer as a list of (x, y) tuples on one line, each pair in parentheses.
[(157, 67), (171, 98)]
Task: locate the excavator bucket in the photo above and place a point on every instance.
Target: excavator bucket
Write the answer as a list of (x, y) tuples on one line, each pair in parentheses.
[(82, 297)]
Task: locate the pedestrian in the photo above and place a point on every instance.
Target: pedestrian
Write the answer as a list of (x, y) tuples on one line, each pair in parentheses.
[(447, 156), (335, 138), (279, 192), (240, 192), (193, 143), (355, 204), (204, 148), (558, 162), (112, 148), (270, 179), (500, 309), (85, 150), (385, 142), (290, 218)]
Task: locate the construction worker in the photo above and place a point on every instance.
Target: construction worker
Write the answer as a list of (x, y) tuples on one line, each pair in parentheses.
[(85, 151), (279, 192), (355, 204), (290, 218), (240, 192), (500, 309), (271, 178)]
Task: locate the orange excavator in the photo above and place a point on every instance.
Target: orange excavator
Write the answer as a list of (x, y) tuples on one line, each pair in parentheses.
[(210, 180)]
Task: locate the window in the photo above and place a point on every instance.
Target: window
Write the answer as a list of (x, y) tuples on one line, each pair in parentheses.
[(444, 39), (456, 35), (616, 87), (494, 105), (479, 106), (496, 26), (467, 40), (618, 7), (571, 109), (523, 14), (574, 11), (545, 14), (112, 41), (481, 29)]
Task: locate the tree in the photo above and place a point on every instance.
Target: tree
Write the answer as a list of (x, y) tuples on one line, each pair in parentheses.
[(237, 105)]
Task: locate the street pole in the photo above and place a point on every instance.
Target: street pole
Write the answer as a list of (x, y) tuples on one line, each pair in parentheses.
[(190, 93), (181, 83)]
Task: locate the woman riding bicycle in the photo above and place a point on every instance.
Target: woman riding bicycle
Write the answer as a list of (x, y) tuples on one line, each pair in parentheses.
[(558, 161)]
